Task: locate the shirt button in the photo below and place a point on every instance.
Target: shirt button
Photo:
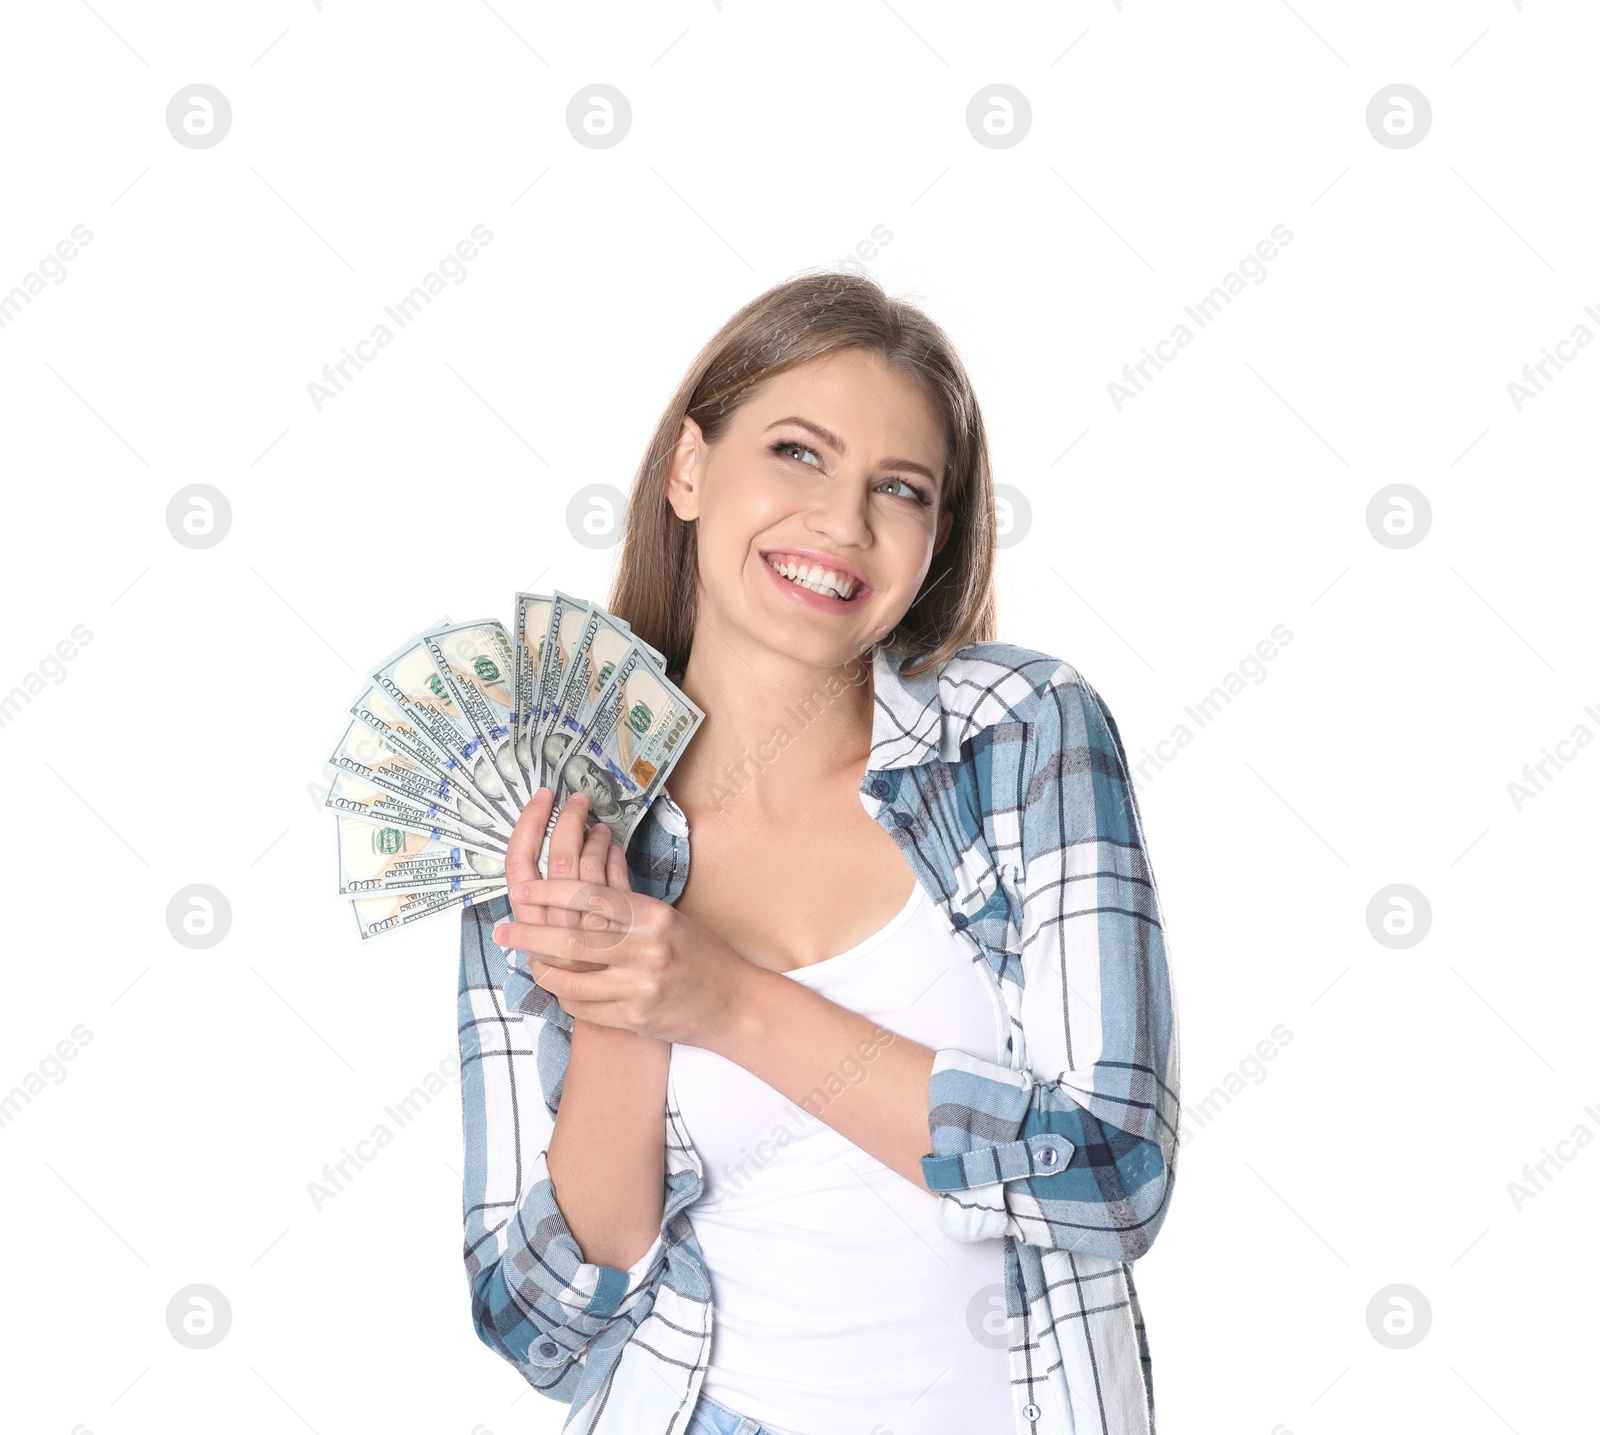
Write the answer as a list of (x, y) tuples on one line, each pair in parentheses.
[(1048, 1155), (902, 819), (880, 787), (1030, 1411), (549, 1350), (959, 921)]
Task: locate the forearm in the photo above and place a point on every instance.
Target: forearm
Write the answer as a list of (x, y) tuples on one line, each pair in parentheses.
[(607, 1152), (868, 1083)]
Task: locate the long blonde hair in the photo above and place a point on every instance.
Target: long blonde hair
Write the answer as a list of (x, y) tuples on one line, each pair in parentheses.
[(656, 584)]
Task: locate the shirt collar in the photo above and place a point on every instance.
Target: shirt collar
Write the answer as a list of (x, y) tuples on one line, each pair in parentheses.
[(908, 728), (907, 713)]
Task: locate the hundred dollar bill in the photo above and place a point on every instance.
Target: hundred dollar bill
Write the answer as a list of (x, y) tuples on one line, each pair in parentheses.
[(457, 728), (409, 679), (529, 624), (475, 661), (372, 756), (655, 654), (351, 796), (567, 618), (594, 657), (639, 729), (375, 709), (570, 622), (390, 911), (627, 627), (376, 857)]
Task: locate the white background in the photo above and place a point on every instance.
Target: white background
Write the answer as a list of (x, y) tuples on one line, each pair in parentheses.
[(184, 741)]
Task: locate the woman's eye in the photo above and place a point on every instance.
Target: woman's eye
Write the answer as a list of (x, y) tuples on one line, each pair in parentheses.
[(918, 495), (792, 447), (785, 444)]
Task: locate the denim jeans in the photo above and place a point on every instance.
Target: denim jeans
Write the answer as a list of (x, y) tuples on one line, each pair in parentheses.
[(710, 1417)]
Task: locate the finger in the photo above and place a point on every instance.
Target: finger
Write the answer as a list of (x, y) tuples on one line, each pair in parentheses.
[(596, 1013), (567, 899), (591, 941), (617, 876), (574, 988), (562, 856), (552, 946), (592, 860), (566, 842), (522, 849)]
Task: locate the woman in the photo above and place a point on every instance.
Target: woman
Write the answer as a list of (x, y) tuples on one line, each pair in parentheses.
[(886, 1077)]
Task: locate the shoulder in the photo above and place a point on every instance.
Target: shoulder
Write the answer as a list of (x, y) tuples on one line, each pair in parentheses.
[(1062, 750), (1039, 697), (997, 682)]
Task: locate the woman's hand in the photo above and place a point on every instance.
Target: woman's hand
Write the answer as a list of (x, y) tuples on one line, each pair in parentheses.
[(595, 858), (618, 958)]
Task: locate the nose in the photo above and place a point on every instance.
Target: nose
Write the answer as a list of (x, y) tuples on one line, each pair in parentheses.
[(840, 513)]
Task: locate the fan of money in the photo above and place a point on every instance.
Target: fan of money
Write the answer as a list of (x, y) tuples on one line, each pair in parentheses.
[(454, 733)]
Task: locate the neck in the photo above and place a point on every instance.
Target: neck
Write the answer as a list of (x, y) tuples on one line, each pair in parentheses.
[(775, 729)]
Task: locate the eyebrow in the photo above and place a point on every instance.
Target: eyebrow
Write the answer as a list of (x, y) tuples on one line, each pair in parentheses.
[(835, 442)]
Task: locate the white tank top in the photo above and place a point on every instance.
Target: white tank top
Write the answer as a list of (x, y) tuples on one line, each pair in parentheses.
[(836, 1301)]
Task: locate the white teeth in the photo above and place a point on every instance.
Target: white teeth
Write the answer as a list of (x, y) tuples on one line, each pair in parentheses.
[(817, 578)]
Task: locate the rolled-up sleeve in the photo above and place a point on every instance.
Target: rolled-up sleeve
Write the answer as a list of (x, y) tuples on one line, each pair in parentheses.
[(1077, 1152), (535, 1300)]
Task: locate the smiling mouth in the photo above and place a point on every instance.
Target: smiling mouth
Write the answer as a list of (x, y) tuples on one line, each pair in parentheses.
[(816, 577)]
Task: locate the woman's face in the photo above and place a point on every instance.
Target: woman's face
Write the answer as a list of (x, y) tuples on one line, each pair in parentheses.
[(838, 463)]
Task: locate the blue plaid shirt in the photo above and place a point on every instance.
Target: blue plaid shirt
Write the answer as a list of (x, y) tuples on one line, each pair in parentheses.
[(1003, 779)]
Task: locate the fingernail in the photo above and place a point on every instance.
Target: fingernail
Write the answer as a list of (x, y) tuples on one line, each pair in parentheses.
[(521, 893), (501, 933)]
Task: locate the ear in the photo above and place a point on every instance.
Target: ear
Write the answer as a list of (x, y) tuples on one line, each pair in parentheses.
[(942, 532), (683, 471)]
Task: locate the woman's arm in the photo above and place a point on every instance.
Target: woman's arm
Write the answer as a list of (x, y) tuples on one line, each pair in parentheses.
[(1079, 1152), (607, 1156), (607, 1153), (868, 1083), (1076, 1153), (536, 1299)]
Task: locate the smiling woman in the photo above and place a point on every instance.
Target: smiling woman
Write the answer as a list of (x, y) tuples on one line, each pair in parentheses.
[(823, 389), (918, 969)]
